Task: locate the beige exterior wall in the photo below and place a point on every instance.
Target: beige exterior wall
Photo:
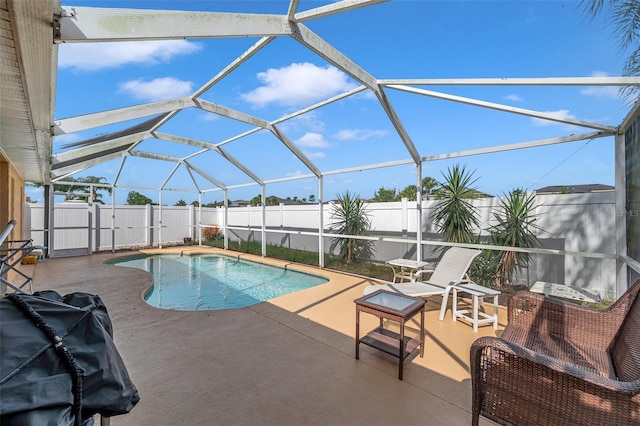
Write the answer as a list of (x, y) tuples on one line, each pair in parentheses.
[(11, 202), (11, 197)]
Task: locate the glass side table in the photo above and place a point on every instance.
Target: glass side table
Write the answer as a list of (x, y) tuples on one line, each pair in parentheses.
[(395, 307)]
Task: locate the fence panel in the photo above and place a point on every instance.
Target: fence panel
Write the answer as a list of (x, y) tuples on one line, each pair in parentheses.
[(570, 222)]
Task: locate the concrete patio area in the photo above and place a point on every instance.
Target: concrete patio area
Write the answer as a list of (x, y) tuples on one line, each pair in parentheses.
[(289, 361)]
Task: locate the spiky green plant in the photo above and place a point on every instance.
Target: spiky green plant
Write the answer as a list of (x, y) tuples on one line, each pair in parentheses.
[(352, 219), (455, 216), (516, 223)]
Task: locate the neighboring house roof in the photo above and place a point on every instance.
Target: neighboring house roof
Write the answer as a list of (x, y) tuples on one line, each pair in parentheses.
[(574, 189)]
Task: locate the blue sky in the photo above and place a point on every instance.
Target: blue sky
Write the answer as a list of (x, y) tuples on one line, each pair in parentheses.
[(398, 39)]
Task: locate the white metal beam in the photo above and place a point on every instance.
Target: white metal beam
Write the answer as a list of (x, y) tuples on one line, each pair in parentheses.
[(206, 175), (90, 121), (233, 65), (207, 145), (93, 24), (230, 113), (154, 156), (316, 44), (333, 8), (540, 81), (84, 164), (520, 145), (293, 6), (294, 149), (506, 108), (173, 171), (95, 149)]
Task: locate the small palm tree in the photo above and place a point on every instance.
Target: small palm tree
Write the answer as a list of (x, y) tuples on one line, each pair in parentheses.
[(516, 224), (429, 184), (455, 215), (352, 219)]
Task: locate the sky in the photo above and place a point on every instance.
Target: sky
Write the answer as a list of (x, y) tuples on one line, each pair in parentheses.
[(395, 40)]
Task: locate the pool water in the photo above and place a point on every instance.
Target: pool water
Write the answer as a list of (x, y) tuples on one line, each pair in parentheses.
[(206, 282)]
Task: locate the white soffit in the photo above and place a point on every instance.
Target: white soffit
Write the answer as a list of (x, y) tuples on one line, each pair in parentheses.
[(28, 64)]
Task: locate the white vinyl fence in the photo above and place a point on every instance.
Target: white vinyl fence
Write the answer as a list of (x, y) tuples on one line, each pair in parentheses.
[(572, 222)]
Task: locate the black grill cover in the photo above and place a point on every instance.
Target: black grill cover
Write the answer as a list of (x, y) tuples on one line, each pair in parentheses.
[(36, 381)]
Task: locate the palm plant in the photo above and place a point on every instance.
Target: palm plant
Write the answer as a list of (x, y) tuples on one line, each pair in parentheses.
[(515, 228), (455, 215), (429, 184), (352, 219)]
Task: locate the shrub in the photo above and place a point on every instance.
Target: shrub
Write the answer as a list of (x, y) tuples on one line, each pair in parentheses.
[(211, 232)]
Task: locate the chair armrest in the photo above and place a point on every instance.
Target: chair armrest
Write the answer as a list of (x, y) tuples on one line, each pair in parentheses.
[(421, 272)]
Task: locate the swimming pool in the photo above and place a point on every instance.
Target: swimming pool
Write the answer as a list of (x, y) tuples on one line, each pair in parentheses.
[(211, 282)]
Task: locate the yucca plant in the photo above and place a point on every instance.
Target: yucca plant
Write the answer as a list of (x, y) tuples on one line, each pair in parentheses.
[(455, 216), (484, 269), (515, 228), (352, 219)]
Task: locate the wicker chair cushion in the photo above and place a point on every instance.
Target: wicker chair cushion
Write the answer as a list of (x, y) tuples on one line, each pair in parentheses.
[(593, 360), (626, 350)]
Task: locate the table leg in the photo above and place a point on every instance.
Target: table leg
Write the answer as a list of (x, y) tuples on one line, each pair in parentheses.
[(401, 354), (357, 333), (422, 333)]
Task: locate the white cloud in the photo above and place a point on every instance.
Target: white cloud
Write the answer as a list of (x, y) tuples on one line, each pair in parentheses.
[(312, 140), (308, 121), (296, 173), (156, 89), (514, 98), (315, 155), (297, 84), (95, 56), (606, 92), (359, 134), (208, 116), (562, 113)]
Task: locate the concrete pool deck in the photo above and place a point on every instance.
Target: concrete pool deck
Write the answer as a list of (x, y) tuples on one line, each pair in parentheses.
[(289, 361)]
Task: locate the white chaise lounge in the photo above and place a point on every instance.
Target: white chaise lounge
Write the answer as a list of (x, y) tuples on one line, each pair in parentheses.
[(451, 270)]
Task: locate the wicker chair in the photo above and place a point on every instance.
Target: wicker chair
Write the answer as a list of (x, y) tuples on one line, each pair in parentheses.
[(557, 363)]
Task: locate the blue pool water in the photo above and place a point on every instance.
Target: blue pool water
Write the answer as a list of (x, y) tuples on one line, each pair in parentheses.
[(206, 282)]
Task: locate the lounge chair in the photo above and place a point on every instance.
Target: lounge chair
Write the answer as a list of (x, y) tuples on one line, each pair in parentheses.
[(11, 256), (451, 270)]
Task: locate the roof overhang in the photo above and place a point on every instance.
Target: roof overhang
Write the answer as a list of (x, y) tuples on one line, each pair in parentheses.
[(27, 85)]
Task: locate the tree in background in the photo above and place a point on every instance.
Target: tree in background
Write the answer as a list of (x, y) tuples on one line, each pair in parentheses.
[(384, 195), (312, 198), (624, 16), (181, 203), (429, 185), (79, 189), (137, 199), (352, 219), (455, 215), (410, 192)]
